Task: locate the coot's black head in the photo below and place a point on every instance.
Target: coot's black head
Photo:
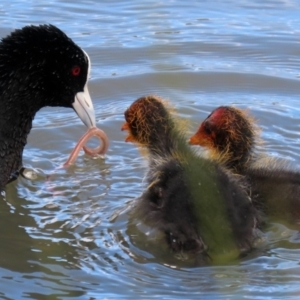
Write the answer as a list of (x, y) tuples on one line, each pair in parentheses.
[(40, 66)]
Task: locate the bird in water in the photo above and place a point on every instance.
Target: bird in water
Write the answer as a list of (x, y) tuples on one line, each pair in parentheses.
[(39, 66), (231, 136), (199, 206)]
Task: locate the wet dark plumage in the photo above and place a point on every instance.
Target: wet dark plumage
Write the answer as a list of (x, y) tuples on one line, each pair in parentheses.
[(36, 64)]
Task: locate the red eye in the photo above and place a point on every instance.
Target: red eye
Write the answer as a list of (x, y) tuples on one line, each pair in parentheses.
[(76, 71)]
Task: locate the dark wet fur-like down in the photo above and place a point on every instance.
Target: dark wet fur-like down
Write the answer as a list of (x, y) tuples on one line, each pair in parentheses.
[(168, 205), (230, 135), (201, 208), (276, 191)]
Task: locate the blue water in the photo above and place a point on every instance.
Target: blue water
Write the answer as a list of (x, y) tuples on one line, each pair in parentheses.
[(70, 236)]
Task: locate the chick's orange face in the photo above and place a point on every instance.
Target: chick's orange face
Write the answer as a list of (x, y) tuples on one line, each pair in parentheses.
[(204, 136), (147, 121), (139, 121), (129, 137), (207, 133), (131, 124)]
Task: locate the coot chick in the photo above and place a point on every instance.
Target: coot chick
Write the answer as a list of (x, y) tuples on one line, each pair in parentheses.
[(39, 66), (230, 134), (199, 206)]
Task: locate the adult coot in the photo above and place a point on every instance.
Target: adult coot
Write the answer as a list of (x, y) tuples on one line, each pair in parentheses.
[(39, 66)]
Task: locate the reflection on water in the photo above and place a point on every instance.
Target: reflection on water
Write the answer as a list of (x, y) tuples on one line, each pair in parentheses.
[(70, 235)]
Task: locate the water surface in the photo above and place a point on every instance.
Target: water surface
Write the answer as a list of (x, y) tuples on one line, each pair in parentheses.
[(70, 236)]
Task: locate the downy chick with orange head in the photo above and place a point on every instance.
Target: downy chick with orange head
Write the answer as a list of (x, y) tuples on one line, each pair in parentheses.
[(231, 136), (200, 207)]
